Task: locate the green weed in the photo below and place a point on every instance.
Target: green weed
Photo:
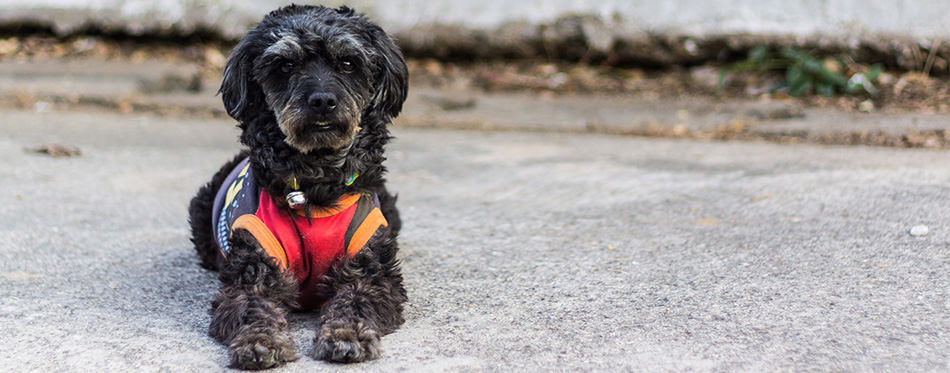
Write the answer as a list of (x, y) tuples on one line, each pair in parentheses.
[(805, 73)]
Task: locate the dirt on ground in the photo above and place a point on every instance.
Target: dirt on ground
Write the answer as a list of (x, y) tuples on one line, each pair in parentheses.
[(898, 91)]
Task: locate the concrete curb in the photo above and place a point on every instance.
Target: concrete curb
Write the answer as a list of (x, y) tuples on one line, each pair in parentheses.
[(639, 33)]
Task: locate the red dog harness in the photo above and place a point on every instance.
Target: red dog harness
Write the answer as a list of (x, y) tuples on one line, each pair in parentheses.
[(304, 246)]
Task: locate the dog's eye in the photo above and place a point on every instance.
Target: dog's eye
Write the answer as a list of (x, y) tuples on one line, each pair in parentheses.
[(287, 67), (347, 66)]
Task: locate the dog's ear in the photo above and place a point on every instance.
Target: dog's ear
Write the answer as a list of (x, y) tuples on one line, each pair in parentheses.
[(238, 89), (392, 79)]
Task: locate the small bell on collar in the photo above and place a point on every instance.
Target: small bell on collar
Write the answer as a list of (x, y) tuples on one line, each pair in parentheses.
[(296, 199)]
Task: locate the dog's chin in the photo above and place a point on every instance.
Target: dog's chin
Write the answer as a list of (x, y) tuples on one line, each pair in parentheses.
[(307, 137)]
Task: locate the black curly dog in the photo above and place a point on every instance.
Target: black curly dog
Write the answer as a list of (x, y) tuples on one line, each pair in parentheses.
[(313, 90)]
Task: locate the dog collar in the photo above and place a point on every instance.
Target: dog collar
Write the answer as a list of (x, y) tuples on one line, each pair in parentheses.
[(298, 199)]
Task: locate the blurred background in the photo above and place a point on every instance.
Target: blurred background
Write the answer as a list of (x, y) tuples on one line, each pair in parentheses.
[(870, 56), (522, 250)]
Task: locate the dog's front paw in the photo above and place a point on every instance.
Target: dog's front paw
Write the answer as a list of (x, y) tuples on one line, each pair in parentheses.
[(350, 341), (258, 349)]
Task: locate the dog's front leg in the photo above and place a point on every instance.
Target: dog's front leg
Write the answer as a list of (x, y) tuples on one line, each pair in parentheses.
[(249, 313), (366, 305)]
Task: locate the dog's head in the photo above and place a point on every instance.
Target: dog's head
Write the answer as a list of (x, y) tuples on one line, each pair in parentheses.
[(320, 71)]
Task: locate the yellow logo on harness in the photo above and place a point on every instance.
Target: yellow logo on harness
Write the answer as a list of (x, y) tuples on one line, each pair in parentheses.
[(236, 185)]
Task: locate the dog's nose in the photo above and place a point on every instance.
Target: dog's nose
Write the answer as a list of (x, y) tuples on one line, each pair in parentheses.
[(322, 102)]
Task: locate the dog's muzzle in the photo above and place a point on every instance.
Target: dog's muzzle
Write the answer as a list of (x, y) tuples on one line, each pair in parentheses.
[(322, 105), (321, 120)]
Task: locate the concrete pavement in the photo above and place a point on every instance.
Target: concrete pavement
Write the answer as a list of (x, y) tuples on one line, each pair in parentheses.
[(522, 252)]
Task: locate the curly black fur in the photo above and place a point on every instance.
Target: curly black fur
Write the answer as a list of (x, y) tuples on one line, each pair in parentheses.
[(313, 90)]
